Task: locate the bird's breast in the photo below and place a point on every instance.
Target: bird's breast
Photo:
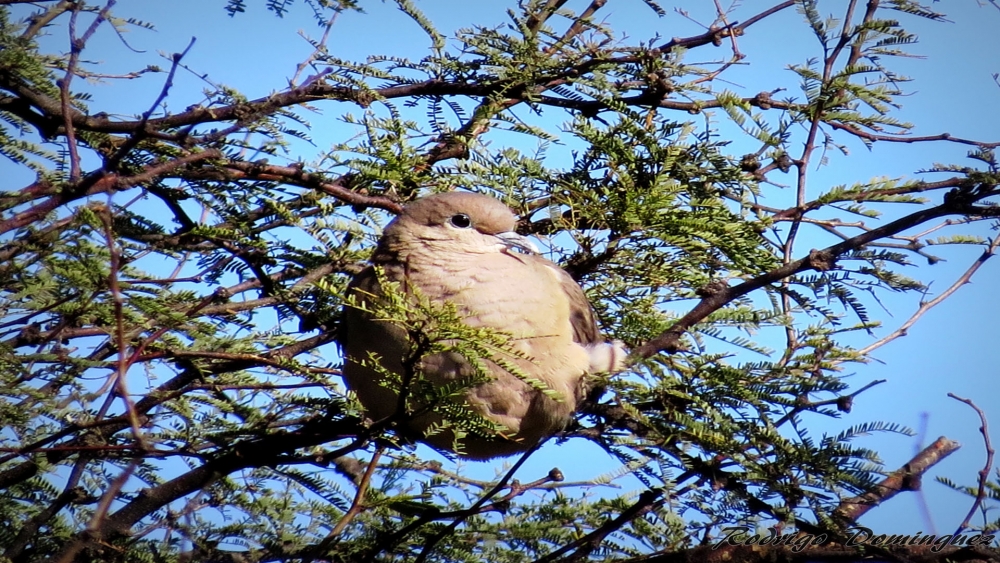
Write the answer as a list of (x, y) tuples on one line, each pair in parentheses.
[(497, 290)]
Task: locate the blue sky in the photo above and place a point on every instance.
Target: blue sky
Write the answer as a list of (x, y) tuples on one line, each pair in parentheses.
[(952, 349)]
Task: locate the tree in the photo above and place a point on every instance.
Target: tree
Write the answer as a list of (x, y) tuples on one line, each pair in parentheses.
[(171, 299)]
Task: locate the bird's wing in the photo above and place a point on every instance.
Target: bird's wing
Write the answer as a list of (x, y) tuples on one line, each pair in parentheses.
[(364, 284), (365, 280), (581, 314)]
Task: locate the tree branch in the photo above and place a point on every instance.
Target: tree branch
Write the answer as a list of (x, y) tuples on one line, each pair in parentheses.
[(906, 478), (668, 340), (984, 473)]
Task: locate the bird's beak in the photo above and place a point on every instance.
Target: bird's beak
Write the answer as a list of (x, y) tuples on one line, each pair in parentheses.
[(511, 240)]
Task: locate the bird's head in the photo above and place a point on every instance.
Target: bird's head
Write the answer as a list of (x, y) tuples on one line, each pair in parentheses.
[(461, 222)]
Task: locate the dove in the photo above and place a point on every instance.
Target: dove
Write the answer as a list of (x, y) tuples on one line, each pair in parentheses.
[(460, 247)]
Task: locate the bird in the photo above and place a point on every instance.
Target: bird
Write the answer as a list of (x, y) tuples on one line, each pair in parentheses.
[(461, 248)]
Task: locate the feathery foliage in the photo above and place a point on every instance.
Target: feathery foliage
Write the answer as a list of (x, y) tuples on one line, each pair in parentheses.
[(171, 286)]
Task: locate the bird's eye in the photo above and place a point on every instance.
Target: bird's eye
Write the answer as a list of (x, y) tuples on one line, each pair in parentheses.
[(460, 220)]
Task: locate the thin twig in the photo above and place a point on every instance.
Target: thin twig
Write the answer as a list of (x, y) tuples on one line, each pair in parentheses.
[(843, 402), (318, 50), (928, 305), (647, 501), (69, 494), (93, 531), (535, 21), (118, 301), (546, 483), (578, 25), (358, 505), (64, 95), (984, 473), (76, 47), (141, 132), (802, 170), (903, 139), (737, 55), (474, 509)]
